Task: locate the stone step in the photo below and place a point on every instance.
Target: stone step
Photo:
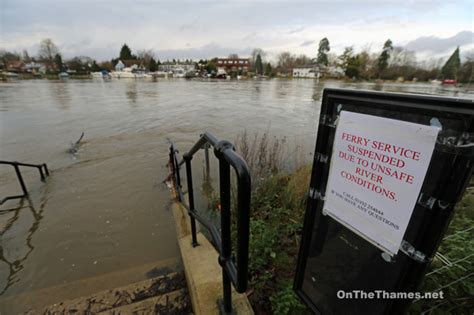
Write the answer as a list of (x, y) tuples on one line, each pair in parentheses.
[(118, 297), (176, 302), (40, 298)]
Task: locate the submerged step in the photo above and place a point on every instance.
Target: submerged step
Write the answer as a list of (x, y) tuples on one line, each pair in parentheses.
[(176, 302), (41, 298), (118, 297)]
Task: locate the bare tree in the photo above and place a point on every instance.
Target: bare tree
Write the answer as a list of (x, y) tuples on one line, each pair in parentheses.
[(47, 50), (146, 55), (402, 57), (285, 62), (301, 60), (25, 56)]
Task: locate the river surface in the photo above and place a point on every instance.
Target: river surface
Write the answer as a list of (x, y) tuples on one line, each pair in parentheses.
[(105, 208)]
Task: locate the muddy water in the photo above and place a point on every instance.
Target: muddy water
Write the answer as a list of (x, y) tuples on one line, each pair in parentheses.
[(105, 208)]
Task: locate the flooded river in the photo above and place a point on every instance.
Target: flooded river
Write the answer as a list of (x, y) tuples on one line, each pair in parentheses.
[(105, 208)]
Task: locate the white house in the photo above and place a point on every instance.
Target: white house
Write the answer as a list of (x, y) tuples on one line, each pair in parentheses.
[(306, 72), (119, 66), (34, 67), (177, 67)]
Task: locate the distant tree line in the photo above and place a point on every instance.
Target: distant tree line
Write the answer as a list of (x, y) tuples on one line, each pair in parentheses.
[(391, 63)]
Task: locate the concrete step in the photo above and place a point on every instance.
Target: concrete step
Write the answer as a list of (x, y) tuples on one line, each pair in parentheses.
[(39, 299), (176, 302), (108, 300)]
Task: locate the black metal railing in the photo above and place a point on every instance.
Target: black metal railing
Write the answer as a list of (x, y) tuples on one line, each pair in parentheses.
[(42, 168), (236, 274)]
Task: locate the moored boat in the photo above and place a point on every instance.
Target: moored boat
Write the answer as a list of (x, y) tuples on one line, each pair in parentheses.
[(63, 75), (449, 82)]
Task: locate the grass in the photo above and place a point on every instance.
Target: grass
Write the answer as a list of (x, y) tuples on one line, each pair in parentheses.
[(278, 205), (458, 280), (279, 191)]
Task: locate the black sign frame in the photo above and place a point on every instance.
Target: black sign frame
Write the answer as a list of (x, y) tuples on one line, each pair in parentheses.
[(448, 175)]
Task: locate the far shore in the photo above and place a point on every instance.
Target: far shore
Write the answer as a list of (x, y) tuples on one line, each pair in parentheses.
[(54, 77)]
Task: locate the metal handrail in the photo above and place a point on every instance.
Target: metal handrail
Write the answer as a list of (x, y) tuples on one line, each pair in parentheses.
[(42, 168), (224, 151)]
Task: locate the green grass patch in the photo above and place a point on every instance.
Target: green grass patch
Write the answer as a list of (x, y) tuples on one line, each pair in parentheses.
[(278, 206), (456, 280)]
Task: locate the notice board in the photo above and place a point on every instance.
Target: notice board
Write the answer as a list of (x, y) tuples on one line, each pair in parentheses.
[(388, 169)]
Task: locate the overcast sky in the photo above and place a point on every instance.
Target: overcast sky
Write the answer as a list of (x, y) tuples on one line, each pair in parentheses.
[(200, 29)]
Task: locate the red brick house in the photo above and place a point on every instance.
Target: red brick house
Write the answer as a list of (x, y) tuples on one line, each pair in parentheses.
[(233, 64)]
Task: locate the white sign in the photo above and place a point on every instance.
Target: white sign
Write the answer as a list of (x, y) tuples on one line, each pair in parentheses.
[(377, 169)]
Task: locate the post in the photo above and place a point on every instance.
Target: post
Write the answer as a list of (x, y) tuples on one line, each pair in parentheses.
[(176, 169), (187, 158), (41, 174), (225, 255), (171, 159), (20, 179), (206, 158), (46, 169)]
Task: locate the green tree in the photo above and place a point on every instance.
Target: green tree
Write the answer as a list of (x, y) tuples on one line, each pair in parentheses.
[(95, 67), (268, 70), (126, 53), (323, 52), (7, 57), (466, 71), (255, 53), (152, 66), (382, 62), (106, 65), (58, 62), (353, 67), (211, 65), (344, 58), (451, 67), (259, 65)]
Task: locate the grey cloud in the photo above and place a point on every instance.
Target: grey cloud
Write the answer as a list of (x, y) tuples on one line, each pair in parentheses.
[(435, 44), (210, 50), (297, 30), (307, 43), (105, 24), (188, 26)]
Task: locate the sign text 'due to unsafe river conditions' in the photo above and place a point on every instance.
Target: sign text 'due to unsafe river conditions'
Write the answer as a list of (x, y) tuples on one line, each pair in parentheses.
[(377, 169)]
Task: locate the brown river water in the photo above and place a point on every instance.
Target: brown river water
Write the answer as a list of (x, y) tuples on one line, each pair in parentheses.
[(105, 208)]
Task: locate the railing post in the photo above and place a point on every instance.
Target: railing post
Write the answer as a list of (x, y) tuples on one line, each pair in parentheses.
[(187, 158), (171, 158), (176, 169), (206, 158), (41, 174), (46, 169), (175, 166), (20, 179), (224, 151), (226, 250)]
